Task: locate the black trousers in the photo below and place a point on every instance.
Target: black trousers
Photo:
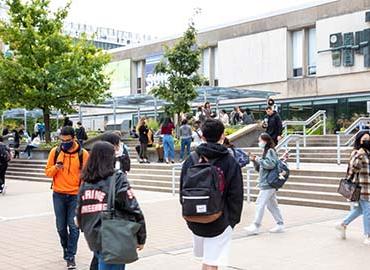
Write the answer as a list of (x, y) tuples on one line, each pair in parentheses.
[(94, 264), (3, 168)]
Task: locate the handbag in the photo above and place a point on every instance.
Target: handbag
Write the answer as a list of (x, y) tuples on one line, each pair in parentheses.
[(349, 189), (118, 235)]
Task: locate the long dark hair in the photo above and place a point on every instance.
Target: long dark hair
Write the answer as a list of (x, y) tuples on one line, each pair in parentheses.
[(167, 121), (100, 164), (270, 144), (357, 144)]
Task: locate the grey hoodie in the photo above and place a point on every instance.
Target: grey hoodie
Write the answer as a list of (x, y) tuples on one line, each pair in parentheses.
[(264, 165)]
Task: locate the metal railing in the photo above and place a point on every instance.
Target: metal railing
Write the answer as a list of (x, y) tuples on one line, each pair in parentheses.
[(362, 123), (285, 142), (174, 168), (319, 115)]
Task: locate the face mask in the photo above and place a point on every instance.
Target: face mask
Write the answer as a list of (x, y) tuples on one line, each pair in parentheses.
[(262, 145), (119, 152), (366, 145), (67, 145)]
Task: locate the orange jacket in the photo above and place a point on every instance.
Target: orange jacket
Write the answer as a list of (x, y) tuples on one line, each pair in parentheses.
[(66, 180)]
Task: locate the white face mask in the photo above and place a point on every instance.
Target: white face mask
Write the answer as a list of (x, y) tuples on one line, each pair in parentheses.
[(119, 152), (262, 145)]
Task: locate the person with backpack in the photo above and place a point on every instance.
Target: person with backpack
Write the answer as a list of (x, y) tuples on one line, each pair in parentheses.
[(358, 170), (64, 165), (81, 133), (211, 195), (239, 155), (186, 138), (123, 161), (97, 178), (267, 194), (5, 157)]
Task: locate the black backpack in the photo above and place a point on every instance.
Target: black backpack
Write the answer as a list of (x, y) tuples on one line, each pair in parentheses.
[(202, 191), (279, 175), (5, 156), (125, 161)]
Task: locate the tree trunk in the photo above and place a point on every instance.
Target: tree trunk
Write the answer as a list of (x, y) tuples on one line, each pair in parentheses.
[(46, 113)]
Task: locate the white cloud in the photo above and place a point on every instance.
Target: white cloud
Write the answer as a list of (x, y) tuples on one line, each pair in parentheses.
[(164, 18)]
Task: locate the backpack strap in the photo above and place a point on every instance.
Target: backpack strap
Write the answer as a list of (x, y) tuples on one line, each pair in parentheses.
[(80, 155), (57, 152)]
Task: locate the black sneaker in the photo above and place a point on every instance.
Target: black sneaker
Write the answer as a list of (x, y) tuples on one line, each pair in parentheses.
[(71, 264)]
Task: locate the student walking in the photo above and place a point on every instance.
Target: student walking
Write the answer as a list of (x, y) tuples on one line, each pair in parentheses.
[(168, 142), (212, 231), (267, 194), (143, 139), (81, 133), (96, 177), (5, 157), (273, 124), (358, 169), (186, 138), (64, 166)]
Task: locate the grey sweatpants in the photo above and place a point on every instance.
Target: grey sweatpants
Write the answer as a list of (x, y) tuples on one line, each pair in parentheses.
[(267, 197)]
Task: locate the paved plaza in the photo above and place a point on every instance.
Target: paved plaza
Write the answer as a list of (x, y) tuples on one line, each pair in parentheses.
[(29, 238)]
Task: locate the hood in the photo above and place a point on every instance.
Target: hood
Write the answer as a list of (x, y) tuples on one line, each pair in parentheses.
[(212, 150)]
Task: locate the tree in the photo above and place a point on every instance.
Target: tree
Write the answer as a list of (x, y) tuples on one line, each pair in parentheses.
[(180, 64), (47, 69)]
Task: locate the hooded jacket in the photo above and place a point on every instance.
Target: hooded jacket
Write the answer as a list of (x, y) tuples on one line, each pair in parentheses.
[(274, 126), (66, 180), (92, 200), (233, 194)]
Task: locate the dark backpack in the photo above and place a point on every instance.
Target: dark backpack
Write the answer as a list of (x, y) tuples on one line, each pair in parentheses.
[(279, 175), (5, 156), (241, 157), (202, 191), (80, 155), (125, 161)]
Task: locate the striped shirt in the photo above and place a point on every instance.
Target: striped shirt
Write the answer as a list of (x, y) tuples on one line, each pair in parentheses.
[(359, 164)]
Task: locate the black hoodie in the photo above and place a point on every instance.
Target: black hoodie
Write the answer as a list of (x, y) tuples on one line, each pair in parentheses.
[(233, 194)]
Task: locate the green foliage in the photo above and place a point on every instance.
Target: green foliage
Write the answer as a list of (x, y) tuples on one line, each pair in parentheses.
[(47, 69), (231, 130), (153, 124), (181, 64), (49, 146)]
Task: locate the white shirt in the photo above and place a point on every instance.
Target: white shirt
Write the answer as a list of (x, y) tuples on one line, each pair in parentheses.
[(197, 138)]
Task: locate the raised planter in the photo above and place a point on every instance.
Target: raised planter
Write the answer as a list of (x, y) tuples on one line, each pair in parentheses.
[(246, 136)]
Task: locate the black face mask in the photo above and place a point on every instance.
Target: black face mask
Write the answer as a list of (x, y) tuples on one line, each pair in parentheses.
[(366, 145)]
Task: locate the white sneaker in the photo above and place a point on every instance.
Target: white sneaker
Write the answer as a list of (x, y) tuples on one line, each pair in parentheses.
[(252, 229), (277, 229), (342, 230), (367, 241)]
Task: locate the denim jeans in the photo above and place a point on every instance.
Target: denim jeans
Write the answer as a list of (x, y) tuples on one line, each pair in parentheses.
[(363, 208), (169, 147), (105, 266), (267, 197), (185, 143), (65, 210)]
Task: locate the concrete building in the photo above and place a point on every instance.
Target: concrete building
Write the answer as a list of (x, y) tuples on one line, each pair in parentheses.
[(106, 38), (282, 52)]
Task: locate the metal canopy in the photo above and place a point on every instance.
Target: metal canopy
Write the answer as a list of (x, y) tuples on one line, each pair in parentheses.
[(20, 113)]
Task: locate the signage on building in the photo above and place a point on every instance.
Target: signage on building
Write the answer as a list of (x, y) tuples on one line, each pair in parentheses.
[(120, 77), (345, 45), (151, 78)]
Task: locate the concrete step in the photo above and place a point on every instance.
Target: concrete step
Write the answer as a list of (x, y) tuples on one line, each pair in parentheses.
[(28, 178)]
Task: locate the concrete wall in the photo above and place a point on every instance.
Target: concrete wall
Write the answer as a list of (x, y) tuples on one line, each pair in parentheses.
[(346, 23), (253, 59)]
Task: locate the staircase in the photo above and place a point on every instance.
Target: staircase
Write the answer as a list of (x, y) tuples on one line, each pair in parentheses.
[(313, 186)]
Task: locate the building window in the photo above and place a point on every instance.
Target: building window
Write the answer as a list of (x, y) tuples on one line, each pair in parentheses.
[(312, 51), (297, 46), (139, 77)]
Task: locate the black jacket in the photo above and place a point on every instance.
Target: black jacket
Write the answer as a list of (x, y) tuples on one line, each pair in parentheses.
[(143, 134), (274, 126), (233, 194), (90, 221), (81, 134)]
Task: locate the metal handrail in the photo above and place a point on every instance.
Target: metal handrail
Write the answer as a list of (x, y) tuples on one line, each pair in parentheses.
[(174, 168), (359, 123), (316, 126), (284, 144)]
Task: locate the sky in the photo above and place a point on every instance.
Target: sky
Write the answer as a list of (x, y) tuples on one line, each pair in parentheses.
[(165, 18)]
